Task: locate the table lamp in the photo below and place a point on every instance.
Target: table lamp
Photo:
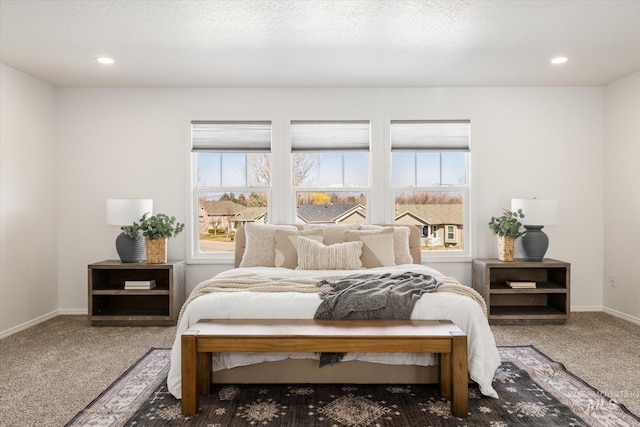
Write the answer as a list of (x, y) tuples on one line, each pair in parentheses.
[(537, 213), (123, 212)]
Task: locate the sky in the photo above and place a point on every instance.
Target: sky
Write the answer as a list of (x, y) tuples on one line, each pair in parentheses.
[(348, 169)]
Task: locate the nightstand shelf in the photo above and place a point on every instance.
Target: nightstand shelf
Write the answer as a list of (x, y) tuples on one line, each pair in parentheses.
[(541, 288), (111, 304), (548, 302)]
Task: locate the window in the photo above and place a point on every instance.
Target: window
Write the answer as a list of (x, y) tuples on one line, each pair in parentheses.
[(330, 169), (451, 234), (231, 162), (429, 163), (246, 171)]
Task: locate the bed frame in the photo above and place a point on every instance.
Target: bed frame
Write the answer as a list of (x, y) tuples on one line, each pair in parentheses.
[(307, 370)]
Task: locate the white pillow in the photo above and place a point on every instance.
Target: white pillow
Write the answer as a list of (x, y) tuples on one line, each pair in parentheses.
[(333, 233), (400, 243), (260, 246), (286, 249), (377, 250), (314, 255)]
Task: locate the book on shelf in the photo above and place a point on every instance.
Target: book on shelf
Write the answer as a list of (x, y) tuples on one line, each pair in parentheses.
[(139, 284), (521, 284)]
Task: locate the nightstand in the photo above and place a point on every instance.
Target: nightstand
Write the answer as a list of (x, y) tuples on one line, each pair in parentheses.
[(111, 304), (548, 302)]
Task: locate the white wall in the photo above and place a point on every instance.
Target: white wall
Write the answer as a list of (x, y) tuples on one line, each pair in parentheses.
[(545, 142), (622, 197), (28, 206)]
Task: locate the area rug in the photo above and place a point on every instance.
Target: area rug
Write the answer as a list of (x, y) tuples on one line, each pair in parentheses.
[(534, 391)]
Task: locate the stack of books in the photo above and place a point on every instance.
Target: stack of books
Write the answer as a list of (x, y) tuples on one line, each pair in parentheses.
[(521, 284), (139, 284)]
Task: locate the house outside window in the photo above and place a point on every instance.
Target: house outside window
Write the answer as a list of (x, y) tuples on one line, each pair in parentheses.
[(330, 169), (231, 162), (429, 170)]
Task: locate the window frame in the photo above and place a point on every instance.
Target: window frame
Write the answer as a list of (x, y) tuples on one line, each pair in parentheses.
[(464, 255), (193, 253), (282, 193), (367, 190)]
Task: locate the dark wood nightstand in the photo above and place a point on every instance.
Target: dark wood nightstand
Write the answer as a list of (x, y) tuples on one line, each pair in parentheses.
[(111, 304), (548, 302)]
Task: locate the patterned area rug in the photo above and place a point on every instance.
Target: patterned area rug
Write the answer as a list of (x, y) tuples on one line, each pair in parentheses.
[(533, 389)]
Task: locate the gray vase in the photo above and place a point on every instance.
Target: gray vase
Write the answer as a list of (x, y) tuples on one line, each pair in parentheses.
[(130, 250), (534, 244)]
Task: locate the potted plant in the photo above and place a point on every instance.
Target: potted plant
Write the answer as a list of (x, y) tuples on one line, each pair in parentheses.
[(157, 229), (507, 229), (129, 244)]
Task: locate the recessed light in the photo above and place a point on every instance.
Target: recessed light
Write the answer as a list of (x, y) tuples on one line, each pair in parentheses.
[(559, 60), (105, 60)]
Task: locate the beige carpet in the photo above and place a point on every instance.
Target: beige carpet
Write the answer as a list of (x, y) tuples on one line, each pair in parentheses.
[(51, 371)]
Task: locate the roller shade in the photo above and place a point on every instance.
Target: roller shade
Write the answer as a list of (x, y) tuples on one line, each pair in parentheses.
[(231, 136), (436, 135), (330, 135)]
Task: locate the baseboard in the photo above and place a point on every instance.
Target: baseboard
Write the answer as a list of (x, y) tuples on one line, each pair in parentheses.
[(621, 315), (43, 318), (73, 311), (580, 308), (30, 323)]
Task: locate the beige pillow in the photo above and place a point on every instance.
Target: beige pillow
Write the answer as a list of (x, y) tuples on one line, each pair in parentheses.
[(287, 246), (314, 255), (333, 233), (400, 242), (377, 250), (260, 245)]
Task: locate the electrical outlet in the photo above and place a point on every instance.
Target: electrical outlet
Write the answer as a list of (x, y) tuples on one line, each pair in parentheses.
[(612, 280)]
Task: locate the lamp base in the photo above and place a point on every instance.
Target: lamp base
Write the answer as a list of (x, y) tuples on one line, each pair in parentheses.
[(130, 250), (533, 245)]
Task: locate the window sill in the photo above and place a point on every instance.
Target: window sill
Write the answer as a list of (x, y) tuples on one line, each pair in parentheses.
[(214, 259)]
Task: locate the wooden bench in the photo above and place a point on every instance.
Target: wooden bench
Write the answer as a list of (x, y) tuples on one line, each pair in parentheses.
[(381, 336)]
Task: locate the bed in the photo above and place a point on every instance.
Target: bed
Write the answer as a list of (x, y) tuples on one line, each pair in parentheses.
[(265, 286)]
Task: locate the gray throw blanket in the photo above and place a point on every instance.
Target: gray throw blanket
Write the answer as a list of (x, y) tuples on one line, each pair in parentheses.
[(372, 296)]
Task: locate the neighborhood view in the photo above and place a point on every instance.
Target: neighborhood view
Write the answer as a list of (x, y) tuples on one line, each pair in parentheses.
[(232, 189), (438, 215)]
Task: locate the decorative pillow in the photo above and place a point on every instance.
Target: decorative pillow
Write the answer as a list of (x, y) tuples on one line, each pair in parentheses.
[(377, 250), (314, 255), (400, 243), (260, 246), (333, 233), (287, 246)]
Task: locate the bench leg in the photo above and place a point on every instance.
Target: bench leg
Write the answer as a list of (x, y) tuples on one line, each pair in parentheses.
[(189, 374), (445, 374), (460, 374), (204, 373)]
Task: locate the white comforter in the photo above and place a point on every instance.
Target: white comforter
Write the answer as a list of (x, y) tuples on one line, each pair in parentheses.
[(483, 357)]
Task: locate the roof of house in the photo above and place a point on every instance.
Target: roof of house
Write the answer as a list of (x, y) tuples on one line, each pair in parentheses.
[(419, 214), (229, 208), (325, 213), (434, 214)]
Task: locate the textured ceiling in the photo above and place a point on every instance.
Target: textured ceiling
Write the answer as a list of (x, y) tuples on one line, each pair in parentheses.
[(345, 43)]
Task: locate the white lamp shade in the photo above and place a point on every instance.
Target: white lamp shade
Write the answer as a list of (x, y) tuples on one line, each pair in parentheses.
[(537, 211), (126, 211)]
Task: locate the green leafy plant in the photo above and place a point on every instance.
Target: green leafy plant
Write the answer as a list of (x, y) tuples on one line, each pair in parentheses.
[(133, 231), (508, 224), (158, 226)]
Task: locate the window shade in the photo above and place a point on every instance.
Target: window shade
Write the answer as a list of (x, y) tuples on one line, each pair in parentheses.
[(330, 135), (440, 135), (238, 136)]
